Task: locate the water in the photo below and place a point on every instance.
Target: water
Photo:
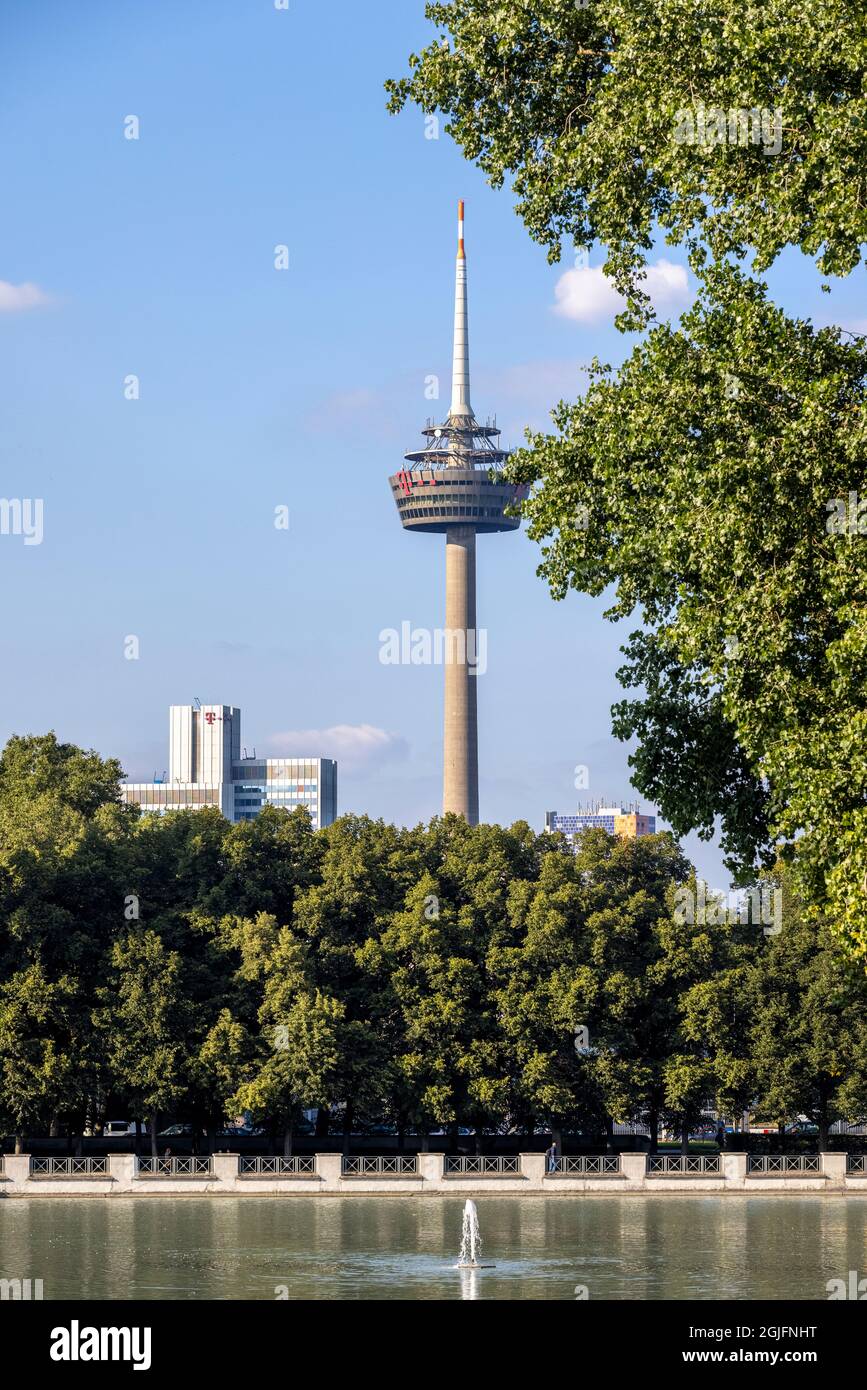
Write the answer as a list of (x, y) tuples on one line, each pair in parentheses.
[(367, 1247)]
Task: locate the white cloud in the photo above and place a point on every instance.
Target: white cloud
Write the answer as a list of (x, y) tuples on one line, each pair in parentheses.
[(588, 296), (17, 297), (355, 746)]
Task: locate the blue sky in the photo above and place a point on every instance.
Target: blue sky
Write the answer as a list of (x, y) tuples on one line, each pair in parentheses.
[(261, 388)]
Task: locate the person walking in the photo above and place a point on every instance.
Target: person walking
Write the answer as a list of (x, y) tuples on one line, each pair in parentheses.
[(552, 1157)]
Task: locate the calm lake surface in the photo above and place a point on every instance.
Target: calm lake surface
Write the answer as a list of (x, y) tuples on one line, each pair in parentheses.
[(406, 1247)]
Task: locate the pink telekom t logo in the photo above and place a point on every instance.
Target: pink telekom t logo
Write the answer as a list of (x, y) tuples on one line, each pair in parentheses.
[(407, 481)]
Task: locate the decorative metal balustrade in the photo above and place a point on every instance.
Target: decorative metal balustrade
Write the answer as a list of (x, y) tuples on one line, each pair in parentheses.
[(375, 1166), (482, 1166), (785, 1164), (856, 1164), (586, 1166), (174, 1168), (69, 1168), (682, 1165), (277, 1167)]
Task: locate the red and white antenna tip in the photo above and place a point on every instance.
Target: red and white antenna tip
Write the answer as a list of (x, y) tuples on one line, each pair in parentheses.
[(461, 227)]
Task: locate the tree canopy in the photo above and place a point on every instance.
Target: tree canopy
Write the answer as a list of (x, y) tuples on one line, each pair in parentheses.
[(712, 512), (586, 108), (428, 978)]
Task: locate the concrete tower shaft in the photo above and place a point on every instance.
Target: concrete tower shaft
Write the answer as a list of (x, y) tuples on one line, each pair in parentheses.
[(461, 721)]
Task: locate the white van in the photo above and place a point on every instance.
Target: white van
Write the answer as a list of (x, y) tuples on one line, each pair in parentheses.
[(117, 1129)]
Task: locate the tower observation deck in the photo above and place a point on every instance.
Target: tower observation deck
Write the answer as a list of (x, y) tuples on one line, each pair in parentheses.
[(451, 486)]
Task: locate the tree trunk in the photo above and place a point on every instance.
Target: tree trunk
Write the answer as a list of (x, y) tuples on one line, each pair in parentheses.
[(609, 1134), (19, 1143), (401, 1139), (684, 1137), (557, 1136), (478, 1141), (287, 1138), (824, 1129), (323, 1115), (137, 1147), (453, 1137), (425, 1142), (153, 1130), (212, 1138), (79, 1145), (348, 1121), (54, 1127), (653, 1126)]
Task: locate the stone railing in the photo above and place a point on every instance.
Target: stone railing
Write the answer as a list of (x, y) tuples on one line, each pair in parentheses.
[(376, 1166), (682, 1165), (586, 1166), (69, 1168), (230, 1175), (174, 1168), (784, 1164), (276, 1167), (482, 1166)]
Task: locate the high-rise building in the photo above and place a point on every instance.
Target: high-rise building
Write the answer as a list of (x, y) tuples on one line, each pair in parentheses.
[(452, 487), (627, 822), (207, 768)]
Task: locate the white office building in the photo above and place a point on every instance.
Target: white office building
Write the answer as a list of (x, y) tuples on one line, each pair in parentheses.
[(206, 768)]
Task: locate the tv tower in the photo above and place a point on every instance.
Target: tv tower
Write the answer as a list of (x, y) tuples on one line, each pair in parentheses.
[(452, 487)]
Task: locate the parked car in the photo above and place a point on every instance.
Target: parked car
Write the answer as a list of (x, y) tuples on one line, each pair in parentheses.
[(802, 1127), (174, 1131), (114, 1129)]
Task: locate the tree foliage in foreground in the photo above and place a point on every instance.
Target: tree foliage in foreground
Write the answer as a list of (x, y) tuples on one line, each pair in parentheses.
[(579, 105), (705, 481), (431, 978)]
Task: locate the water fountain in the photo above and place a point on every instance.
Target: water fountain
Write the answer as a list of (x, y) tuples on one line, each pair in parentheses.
[(470, 1256), (471, 1239)]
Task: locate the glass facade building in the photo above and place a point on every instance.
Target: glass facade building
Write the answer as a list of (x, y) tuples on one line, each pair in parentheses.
[(617, 820), (206, 769)]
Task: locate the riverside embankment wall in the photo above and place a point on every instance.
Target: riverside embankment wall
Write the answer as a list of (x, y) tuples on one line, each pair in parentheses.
[(124, 1179)]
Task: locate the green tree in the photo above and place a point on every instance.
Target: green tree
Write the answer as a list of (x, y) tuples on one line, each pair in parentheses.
[(144, 1016), (709, 512), (38, 1073), (589, 110), (215, 1068), (809, 1033), (65, 857), (297, 1060), (628, 990)]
